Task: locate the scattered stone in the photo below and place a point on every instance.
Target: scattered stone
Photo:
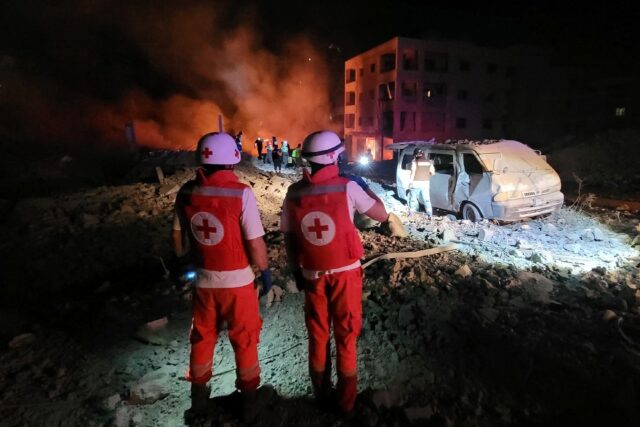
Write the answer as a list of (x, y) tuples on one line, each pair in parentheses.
[(22, 340), (149, 332), (609, 315), (485, 235), (127, 209), (536, 286), (447, 235), (463, 271), (291, 287), (150, 388), (168, 189), (160, 174), (111, 402)]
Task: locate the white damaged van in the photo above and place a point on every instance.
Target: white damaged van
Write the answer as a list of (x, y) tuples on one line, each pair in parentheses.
[(494, 179)]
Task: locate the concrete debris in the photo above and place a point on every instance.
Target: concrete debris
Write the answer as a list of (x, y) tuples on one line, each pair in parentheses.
[(150, 332), (150, 388), (160, 174), (22, 340), (291, 287), (536, 286), (464, 271), (168, 189), (609, 315), (111, 402), (485, 234)]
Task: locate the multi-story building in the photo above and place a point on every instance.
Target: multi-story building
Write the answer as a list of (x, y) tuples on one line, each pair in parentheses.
[(409, 89)]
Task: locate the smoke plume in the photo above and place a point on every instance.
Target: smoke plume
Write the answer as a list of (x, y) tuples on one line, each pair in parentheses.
[(205, 66)]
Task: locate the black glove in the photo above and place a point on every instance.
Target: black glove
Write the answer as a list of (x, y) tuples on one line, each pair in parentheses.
[(301, 282), (267, 283)]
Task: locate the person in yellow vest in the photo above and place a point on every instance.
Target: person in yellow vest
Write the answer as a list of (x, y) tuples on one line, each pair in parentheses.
[(421, 172)]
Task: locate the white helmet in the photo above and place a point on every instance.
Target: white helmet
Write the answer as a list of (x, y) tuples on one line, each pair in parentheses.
[(322, 147), (218, 148)]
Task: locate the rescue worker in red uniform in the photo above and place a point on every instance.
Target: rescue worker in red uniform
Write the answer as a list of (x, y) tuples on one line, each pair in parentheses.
[(324, 251), (217, 217)]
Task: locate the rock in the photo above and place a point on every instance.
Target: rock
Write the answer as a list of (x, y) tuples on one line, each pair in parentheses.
[(536, 286), (463, 271), (22, 340), (485, 234), (609, 315), (598, 235), (149, 332), (122, 418), (542, 257), (489, 313), (111, 402), (150, 388), (291, 287), (447, 235), (587, 235), (168, 189)]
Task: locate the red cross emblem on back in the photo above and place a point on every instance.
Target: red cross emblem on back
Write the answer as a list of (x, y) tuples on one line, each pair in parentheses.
[(205, 228), (206, 152), (318, 228)]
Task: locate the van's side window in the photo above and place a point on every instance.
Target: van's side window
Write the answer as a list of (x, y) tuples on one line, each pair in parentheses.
[(406, 162), (471, 164), (443, 163)]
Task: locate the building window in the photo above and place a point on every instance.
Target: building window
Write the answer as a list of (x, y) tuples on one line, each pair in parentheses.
[(361, 71), (492, 68), (465, 65), (387, 62), (350, 98), (410, 59), (463, 95), (461, 123), (349, 121), (409, 90), (360, 98), (620, 111), (434, 93), (372, 67), (371, 94), (487, 124), (408, 121), (436, 62), (386, 91), (350, 75), (432, 121), (387, 123)]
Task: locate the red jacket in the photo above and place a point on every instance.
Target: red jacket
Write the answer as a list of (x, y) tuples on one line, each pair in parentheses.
[(212, 210), (319, 214)]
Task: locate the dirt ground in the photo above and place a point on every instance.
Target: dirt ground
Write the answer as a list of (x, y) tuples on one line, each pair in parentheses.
[(534, 323)]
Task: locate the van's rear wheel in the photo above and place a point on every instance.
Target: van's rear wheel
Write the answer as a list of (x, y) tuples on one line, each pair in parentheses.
[(470, 212)]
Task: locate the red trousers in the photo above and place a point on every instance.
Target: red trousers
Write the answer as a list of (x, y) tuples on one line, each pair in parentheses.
[(334, 298), (239, 308)]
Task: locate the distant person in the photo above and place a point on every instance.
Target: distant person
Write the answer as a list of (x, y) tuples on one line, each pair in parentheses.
[(219, 217), (369, 155), (238, 140), (295, 153), (323, 252), (268, 158), (298, 162), (421, 172), (277, 158), (285, 153), (258, 145)]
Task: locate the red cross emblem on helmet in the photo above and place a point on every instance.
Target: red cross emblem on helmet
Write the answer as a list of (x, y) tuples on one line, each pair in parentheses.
[(318, 228), (206, 228)]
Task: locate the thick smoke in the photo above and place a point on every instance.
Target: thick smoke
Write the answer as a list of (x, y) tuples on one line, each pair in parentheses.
[(211, 69)]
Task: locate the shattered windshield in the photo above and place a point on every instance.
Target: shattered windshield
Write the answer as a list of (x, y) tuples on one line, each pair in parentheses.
[(515, 158)]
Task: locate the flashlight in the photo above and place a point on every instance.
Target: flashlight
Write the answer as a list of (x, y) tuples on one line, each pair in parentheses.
[(190, 275), (364, 161)]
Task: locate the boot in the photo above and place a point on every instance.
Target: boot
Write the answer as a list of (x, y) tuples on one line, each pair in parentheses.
[(347, 393), (200, 398), (253, 402)]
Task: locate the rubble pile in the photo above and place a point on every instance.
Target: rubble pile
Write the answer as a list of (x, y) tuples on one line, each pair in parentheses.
[(532, 323)]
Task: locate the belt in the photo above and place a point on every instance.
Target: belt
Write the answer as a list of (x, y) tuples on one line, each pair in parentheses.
[(316, 274)]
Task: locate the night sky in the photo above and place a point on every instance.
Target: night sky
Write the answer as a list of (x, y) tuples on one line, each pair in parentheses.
[(56, 61)]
